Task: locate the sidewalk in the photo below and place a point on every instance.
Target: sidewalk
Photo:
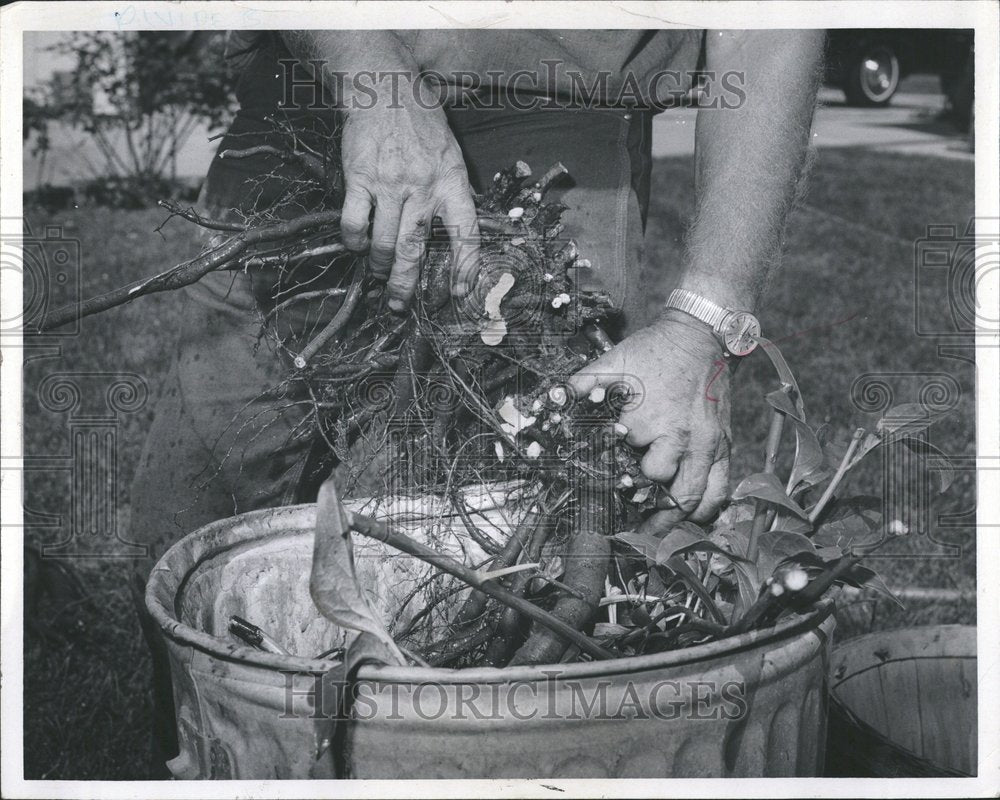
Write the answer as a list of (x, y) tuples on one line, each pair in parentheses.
[(908, 125)]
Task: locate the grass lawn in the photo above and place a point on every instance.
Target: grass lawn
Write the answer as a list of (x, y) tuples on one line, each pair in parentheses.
[(842, 306)]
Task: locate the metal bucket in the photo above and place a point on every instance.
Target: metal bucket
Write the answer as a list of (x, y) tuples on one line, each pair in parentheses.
[(752, 705)]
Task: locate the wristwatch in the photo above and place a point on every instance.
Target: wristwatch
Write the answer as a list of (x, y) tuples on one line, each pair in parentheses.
[(735, 329)]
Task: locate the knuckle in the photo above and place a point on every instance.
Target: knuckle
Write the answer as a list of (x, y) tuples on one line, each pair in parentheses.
[(381, 252), (400, 285), (454, 182), (357, 184), (688, 501), (353, 226)]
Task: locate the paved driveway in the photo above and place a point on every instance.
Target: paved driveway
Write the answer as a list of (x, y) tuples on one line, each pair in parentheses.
[(909, 124)]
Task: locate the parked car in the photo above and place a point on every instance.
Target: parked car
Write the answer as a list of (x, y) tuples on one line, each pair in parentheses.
[(869, 63)]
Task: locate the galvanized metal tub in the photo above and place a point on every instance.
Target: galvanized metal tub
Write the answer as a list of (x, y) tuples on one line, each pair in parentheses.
[(753, 705)]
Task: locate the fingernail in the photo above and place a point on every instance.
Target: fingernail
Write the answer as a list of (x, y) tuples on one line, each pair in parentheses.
[(397, 305), (670, 499)]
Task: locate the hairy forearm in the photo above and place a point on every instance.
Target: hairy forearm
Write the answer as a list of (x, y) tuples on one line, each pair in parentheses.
[(348, 54), (749, 160)]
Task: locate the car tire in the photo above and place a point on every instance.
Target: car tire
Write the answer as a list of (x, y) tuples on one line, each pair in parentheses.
[(872, 76)]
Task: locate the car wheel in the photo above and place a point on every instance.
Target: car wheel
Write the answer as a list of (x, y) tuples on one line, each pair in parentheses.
[(872, 76)]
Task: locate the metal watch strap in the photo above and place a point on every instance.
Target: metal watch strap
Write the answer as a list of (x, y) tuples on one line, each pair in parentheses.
[(699, 307)]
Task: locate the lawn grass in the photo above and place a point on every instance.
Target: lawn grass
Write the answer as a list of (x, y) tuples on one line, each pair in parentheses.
[(841, 306)]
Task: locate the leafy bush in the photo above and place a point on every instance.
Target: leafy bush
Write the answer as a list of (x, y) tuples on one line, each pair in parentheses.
[(51, 198)]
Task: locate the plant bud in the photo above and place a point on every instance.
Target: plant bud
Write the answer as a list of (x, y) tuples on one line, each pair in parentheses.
[(795, 579), (597, 394), (558, 396), (516, 212)]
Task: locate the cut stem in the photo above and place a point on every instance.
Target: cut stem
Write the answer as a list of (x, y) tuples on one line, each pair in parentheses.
[(837, 477), (375, 529), (770, 465), (339, 320), (190, 271)]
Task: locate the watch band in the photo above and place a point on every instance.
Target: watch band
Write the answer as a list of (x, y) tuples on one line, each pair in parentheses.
[(738, 331), (699, 307)]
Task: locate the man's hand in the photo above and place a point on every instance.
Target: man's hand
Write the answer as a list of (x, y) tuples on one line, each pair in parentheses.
[(679, 411), (406, 164), (399, 156)]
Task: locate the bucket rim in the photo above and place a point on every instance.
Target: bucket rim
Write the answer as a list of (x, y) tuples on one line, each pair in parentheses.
[(159, 605)]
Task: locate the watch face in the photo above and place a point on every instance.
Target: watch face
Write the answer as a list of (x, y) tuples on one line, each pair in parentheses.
[(739, 332)]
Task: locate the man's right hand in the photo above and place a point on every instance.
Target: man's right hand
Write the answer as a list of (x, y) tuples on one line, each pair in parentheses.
[(405, 163)]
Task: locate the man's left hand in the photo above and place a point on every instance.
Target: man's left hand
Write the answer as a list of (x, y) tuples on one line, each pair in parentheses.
[(678, 410)]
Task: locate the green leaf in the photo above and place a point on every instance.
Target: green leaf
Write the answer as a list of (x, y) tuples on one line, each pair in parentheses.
[(859, 576), (792, 523), (906, 419), (748, 587), (766, 486), (686, 537), (335, 696), (680, 568), (784, 373), (868, 443), (774, 547), (809, 460), (333, 584), (779, 399), (809, 465), (823, 557), (854, 521), (738, 535), (934, 460), (641, 542)]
